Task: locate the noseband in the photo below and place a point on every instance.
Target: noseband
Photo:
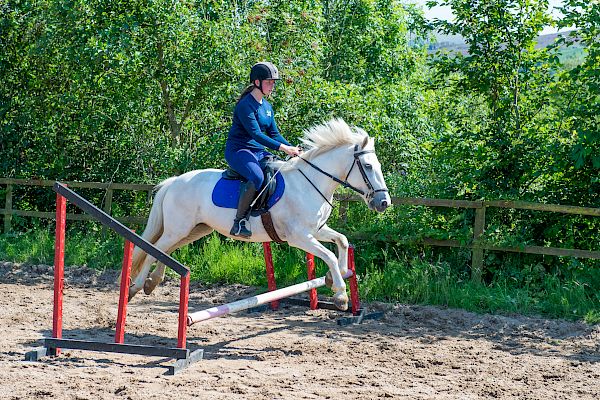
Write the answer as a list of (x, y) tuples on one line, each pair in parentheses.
[(344, 182)]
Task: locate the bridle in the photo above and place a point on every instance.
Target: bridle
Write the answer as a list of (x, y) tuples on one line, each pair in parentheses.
[(371, 191)]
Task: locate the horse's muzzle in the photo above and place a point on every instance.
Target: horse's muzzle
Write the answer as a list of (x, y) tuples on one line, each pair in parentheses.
[(380, 201)]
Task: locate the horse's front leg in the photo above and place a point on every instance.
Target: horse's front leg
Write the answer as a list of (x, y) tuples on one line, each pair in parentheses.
[(327, 234), (310, 244)]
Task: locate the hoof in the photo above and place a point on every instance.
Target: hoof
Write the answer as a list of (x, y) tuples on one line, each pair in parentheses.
[(341, 301), (132, 293), (149, 285), (328, 280)]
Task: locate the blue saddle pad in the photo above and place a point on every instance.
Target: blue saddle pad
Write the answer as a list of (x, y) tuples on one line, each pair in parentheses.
[(227, 192)]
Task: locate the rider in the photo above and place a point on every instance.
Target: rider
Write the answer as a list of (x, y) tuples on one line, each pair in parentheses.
[(252, 130)]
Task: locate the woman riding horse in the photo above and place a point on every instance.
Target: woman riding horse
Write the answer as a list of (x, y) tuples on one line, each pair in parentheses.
[(183, 209), (252, 130)]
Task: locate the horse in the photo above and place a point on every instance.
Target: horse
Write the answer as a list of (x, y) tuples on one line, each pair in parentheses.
[(183, 210)]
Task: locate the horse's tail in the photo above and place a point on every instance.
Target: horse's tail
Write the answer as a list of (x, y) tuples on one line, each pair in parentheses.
[(154, 226)]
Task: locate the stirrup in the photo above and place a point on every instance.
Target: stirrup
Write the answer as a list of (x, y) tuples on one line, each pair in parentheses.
[(239, 228)]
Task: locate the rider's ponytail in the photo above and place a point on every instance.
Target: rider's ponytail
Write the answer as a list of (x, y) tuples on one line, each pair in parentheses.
[(245, 92)]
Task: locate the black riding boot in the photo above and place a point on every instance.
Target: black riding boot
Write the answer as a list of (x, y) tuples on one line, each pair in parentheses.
[(241, 227)]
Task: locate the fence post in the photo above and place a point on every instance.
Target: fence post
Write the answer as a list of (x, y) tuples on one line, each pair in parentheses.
[(8, 208), (108, 200), (270, 272), (353, 282), (184, 297), (107, 207), (477, 253)]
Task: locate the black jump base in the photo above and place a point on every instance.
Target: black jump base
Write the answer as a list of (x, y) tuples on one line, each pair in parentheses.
[(183, 357)]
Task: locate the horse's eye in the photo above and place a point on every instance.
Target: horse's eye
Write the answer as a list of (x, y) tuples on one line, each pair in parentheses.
[(368, 166)]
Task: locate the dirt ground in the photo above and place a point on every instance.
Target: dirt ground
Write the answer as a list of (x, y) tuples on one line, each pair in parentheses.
[(414, 352)]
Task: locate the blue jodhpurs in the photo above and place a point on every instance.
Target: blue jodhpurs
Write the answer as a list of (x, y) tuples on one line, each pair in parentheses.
[(246, 163)]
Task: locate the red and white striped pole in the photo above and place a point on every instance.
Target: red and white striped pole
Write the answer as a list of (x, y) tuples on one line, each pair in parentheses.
[(257, 300)]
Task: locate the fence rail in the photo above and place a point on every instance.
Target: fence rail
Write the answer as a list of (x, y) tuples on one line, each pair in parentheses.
[(477, 245), (110, 187)]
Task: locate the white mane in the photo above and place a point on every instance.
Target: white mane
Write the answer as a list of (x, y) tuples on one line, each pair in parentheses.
[(327, 136), (332, 134)]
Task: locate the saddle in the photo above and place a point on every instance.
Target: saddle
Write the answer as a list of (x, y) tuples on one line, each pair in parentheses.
[(261, 203)]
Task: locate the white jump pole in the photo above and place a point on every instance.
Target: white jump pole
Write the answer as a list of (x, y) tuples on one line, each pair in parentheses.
[(254, 301)]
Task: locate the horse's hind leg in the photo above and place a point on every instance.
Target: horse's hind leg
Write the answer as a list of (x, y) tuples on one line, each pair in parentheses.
[(326, 234), (165, 242), (158, 275), (311, 244)]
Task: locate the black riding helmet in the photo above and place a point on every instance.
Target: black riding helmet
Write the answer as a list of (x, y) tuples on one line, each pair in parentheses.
[(261, 71)]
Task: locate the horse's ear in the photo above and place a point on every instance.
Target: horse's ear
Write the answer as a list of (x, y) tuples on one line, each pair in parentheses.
[(364, 143)]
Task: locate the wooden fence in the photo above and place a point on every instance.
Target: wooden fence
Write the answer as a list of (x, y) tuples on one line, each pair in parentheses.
[(477, 245), (8, 211)]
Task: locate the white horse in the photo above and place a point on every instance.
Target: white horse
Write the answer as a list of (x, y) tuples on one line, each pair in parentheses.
[(183, 210)]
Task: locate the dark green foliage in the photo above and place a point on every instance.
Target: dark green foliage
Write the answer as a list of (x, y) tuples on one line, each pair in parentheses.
[(581, 91), (508, 82), (147, 90)]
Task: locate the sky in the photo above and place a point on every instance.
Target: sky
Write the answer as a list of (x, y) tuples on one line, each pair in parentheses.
[(445, 13)]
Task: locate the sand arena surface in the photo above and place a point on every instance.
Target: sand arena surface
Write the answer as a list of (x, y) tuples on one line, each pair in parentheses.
[(414, 352)]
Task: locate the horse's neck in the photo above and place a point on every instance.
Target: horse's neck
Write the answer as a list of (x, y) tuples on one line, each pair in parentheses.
[(337, 163)]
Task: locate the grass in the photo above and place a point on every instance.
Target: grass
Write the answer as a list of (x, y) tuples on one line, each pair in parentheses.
[(419, 282), (37, 247), (219, 260)]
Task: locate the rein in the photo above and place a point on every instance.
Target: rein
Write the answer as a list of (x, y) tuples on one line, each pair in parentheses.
[(266, 185), (316, 188), (341, 182), (344, 182)]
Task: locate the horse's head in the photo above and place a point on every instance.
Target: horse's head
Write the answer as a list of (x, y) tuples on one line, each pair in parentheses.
[(362, 170), (365, 175)]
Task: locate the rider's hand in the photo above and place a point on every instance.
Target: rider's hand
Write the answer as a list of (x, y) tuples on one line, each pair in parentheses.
[(290, 150)]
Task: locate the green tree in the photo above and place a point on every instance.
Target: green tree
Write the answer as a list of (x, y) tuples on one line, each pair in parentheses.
[(146, 90), (368, 41), (579, 100), (505, 82)]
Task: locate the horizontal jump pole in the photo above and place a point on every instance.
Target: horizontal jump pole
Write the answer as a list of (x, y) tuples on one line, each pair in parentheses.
[(257, 300)]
